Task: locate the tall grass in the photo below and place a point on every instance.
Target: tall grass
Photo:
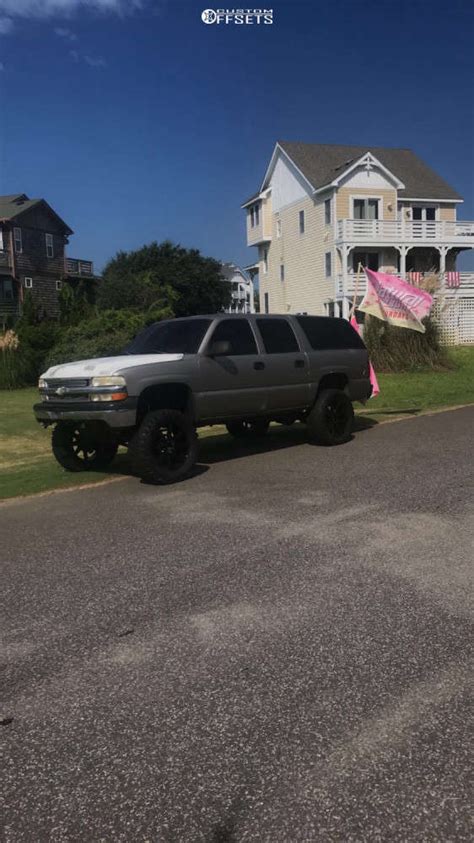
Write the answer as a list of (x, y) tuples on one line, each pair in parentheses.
[(393, 349)]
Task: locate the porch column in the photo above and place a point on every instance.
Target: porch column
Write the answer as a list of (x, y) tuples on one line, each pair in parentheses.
[(442, 259), (345, 271), (403, 260)]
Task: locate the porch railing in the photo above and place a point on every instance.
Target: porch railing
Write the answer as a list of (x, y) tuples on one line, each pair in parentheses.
[(405, 231), (74, 266), (466, 285)]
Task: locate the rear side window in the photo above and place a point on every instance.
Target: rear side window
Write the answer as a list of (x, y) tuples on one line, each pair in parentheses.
[(324, 332), (239, 333), (277, 335)]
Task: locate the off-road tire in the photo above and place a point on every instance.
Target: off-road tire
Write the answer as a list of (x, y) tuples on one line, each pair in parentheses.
[(77, 449), (248, 429), (331, 420), (164, 448)]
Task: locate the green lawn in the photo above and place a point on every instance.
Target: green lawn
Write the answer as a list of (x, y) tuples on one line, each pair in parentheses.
[(27, 466)]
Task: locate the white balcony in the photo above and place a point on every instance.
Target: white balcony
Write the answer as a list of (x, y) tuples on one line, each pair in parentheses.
[(465, 289), (400, 232)]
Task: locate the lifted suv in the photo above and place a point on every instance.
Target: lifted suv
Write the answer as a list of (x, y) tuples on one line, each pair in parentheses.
[(243, 371)]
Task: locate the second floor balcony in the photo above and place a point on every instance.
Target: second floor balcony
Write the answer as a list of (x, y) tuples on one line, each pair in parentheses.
[(394, 232), (74, 266)]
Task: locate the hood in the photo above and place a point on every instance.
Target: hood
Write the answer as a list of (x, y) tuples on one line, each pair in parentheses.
[(107, 365)]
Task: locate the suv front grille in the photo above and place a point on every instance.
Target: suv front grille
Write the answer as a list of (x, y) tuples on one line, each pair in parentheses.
[(50, 392), (55, 383)]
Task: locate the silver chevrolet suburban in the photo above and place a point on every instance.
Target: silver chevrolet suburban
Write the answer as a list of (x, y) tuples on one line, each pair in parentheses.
[(243, 371)]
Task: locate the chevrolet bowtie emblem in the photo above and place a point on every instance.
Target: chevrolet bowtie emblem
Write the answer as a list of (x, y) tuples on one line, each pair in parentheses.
[(61, 391)]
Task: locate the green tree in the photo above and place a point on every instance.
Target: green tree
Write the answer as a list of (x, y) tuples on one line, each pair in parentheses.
[(164, 275)]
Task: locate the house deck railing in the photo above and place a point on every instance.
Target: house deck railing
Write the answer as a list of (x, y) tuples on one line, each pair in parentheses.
[(405, 231), (74, 266), (348, 288)]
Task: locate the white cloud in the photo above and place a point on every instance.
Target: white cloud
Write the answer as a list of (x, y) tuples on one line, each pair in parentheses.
[(74, 55), (66, 8), (64, 32), (95, 61), (6, 25)]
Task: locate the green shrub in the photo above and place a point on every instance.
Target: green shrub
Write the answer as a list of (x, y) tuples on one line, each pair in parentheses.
[(102, 336), (393, 349)]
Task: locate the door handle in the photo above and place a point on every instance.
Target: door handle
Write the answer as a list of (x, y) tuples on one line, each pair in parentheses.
[(259, 364), (299, 364)]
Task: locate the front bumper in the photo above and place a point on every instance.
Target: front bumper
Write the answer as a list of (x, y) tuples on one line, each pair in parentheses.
[(120, 415)]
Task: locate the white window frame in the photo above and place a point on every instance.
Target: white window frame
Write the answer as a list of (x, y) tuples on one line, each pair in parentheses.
[(59, 284), (328, 206), (265, 260), (17, 238), (278, 229), (257, 214), (326, 256), (49, 240), (366, 199), (301, 222), (28, 283)]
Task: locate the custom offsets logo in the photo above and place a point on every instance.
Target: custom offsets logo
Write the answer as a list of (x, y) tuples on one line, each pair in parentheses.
[(238, 16)]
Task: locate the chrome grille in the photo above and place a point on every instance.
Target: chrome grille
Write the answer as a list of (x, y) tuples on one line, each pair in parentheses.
[(55, 383)]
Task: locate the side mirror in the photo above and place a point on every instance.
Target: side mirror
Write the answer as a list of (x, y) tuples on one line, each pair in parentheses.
[(219, 348)]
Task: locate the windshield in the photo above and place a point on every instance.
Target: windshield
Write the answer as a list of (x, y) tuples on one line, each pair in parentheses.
[(170, 337)]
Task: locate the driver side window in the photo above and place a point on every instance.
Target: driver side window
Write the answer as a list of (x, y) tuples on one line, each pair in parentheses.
[(238, 333)]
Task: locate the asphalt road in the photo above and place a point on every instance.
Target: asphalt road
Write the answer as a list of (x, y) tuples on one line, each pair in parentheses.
[(275, 650)]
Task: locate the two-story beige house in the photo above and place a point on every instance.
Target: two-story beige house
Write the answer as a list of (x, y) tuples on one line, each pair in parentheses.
[(322, 209)]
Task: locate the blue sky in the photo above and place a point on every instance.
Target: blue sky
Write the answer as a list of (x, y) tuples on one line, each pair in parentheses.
[(137, 121)]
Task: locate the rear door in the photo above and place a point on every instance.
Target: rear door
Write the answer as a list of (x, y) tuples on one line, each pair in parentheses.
[(286, 366), (234, 384)]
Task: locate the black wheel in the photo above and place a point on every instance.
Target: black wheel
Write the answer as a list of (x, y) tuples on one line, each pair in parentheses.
[(81, 448), (248, 429), (164, 448), (331, 419)]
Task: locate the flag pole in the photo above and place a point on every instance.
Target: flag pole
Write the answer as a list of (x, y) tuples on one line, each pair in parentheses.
[(354, 299)]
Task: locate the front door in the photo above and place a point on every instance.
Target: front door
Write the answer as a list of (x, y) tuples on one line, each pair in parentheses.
[(231, 385)]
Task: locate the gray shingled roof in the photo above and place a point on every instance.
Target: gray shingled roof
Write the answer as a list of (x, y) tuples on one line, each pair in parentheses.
[(14, 204), (322, 163)]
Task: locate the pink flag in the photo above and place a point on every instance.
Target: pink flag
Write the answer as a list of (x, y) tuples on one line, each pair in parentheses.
[(396, 302), (372, 375)]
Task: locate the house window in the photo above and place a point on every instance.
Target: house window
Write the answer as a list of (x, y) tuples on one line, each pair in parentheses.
[(424, 213), (366, 209), (266, 303), (282, 272), (6, 289), (59, 284), (49, 246), (17, 239), (327, 212), (369, 260), (265, 259), (327, 264), (301, 221), (28, 283), (278, 228), (254, 215)]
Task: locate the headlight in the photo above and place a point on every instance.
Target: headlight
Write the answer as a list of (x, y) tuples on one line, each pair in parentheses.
[(105, 380), (42, 384)]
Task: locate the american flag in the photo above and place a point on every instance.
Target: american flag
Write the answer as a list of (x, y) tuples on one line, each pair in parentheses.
[(415, 277), (453, 279)]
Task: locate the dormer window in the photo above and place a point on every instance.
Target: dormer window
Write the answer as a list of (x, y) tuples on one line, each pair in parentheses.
[(49, 246)]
